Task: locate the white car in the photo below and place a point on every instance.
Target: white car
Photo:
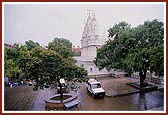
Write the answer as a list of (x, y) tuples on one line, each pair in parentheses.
[(94, 88)]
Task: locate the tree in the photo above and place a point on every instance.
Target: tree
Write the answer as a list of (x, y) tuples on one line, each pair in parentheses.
[(11, 69), (24, 56), (117, 28), (50, 67), (134, 49), (34, 63), (59, 42), (31, 44), (47, 67), (62, 46), (11, 62), (13, 53)]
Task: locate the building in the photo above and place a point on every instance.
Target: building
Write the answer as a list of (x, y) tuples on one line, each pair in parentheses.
[(90, 41), (8, 45), (76, 50)]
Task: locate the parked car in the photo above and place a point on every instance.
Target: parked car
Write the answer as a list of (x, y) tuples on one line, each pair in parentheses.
[(30, 82), (93, 86)]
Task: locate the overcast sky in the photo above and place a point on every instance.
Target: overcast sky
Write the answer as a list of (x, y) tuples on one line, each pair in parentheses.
[(43, 22)]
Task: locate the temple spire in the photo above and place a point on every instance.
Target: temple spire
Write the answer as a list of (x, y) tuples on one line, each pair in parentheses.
[(89, 13), (93, 14), (104, 35)]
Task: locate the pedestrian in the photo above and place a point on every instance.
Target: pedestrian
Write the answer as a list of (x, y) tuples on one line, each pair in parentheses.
[(10, 84), (22, 83)]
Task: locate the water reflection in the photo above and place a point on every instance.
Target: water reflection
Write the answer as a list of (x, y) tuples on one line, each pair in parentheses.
[(149, 100), (142, 100)]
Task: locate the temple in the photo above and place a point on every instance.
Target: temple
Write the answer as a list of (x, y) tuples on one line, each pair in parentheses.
[(90, 41)]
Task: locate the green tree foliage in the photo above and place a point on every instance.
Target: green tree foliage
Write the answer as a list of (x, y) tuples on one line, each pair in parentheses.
[(76, 53), (31, 44), (13, 53), (134, 49), (59, 42), (45, 66), (62, 46), (11, 62), (11, 69), (116, 29)]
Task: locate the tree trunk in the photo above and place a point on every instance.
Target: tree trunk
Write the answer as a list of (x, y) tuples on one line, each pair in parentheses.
[(142, 75)]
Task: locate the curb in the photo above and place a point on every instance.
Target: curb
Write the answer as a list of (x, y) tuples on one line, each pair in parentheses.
[(122, 94)]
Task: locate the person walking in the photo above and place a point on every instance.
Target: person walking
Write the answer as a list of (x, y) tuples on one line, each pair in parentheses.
[(11, 84)]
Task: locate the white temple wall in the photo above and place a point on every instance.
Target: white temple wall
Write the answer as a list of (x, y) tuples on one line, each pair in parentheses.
[(91, 68), (84, 51), (92, 51)]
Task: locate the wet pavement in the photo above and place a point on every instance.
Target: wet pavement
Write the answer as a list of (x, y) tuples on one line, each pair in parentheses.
[(116, 86), (23, 98)]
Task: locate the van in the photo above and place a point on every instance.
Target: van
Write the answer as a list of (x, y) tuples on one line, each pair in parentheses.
[(94, 88)]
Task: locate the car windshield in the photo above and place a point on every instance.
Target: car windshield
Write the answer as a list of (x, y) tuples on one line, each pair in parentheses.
[(96, 86)]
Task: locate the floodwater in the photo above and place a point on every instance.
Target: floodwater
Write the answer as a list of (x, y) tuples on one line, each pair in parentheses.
[(132, 102), (146, 101), (21, 98)]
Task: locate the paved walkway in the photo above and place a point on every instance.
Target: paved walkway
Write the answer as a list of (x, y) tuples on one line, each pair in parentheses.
[(19, 98)]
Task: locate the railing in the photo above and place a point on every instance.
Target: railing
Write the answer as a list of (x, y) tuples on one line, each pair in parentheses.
[(150, 78)]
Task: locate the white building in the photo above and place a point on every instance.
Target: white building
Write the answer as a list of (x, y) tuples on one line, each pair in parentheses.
[(89, 43)]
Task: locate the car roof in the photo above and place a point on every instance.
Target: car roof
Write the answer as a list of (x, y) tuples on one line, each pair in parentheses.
[(93, 81)]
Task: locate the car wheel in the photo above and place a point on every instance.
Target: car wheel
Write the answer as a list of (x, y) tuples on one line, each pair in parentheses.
[(93, 95), (87, 90)]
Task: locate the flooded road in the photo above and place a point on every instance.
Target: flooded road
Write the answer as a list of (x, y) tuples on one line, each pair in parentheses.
[(23, 98), (132, 102)]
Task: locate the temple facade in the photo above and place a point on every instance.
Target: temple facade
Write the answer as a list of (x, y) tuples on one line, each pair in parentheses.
[(90, 41)]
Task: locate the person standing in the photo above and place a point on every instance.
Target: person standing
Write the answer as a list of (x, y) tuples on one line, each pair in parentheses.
[(11, 84)]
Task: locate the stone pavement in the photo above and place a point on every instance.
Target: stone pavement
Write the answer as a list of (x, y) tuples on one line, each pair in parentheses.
[(19, 98)]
